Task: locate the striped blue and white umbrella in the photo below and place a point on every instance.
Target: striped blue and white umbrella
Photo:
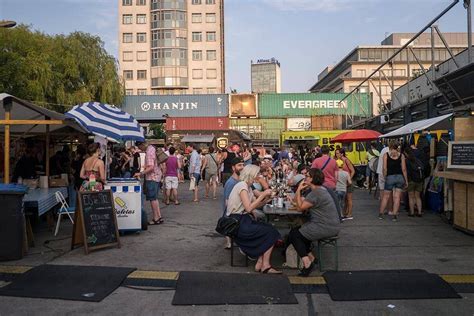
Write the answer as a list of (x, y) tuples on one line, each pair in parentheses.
[(107, 121)]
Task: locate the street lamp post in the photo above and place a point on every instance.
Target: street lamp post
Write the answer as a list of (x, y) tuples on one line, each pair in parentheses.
[(467, 6)]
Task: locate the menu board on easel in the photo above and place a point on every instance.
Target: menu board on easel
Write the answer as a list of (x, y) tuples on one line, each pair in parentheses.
[(95, 224), (461, 155)]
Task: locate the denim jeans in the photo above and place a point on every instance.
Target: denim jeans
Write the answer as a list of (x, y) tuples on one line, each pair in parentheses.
[(341, 195)]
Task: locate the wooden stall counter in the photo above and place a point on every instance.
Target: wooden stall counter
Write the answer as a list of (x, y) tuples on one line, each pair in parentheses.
[(463, 198)]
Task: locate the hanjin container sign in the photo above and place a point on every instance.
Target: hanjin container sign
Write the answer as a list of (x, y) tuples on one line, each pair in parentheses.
[(158, 107)]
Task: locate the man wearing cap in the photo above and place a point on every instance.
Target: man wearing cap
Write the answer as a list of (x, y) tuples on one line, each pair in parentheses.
[(153, 175), (237, 165)]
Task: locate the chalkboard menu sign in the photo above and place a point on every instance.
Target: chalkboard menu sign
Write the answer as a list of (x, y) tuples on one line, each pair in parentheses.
[(95, 226), (461, 155)]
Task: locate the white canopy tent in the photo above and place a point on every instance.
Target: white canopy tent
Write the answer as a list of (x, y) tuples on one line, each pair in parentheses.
[(436, 123)]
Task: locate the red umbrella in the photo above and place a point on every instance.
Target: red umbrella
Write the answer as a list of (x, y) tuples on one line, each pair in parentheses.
[(360, 135)]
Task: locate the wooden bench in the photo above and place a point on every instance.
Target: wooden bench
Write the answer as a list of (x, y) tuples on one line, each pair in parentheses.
[(233, 245)]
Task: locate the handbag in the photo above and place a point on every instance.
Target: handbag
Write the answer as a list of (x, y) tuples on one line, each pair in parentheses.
[(228, 226), (161, 156), (192, 184)]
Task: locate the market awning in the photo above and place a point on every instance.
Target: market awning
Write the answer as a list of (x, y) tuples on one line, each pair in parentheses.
[(27, 111), (198, 139), (436, 123)]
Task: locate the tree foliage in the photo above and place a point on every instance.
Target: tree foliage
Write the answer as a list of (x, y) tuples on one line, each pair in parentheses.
[(57, 69)]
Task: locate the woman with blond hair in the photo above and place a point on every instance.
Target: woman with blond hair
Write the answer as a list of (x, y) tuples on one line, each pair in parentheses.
[(255, 239)]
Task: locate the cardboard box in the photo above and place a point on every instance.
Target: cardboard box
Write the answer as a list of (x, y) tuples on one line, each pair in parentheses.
[(57, 182)]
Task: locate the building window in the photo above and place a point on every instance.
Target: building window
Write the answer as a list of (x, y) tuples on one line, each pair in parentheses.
[(361, 73), (142, 92), (211, 36), (196, 18), (197, 36), (197, 73), (210, 18), (127, 37), (197, 55), (197, 91), (211, 55), (212, 90), (128, 91), (196, 2), (211, 73), (141, 56), (141, 2), (127, 19), (141, 74), (126, 2), (210, 1), (141, 37), (141, 18), (127, 56), (128, 74)]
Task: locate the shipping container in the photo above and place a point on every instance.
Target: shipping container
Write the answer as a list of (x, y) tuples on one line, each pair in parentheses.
[(298, 124), (197, 123), (158, 107), (283, 105), (260, 128), (326, 122)]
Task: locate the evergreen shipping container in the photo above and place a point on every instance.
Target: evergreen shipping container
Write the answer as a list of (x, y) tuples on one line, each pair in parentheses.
[(283, 105), (260, 128)]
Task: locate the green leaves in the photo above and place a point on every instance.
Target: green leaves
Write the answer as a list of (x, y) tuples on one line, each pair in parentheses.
[(57, 70)]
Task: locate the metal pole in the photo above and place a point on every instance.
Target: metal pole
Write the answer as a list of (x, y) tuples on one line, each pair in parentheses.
[(432, 49), (469, 31), (446, 45), (403, 47), (8, 107)]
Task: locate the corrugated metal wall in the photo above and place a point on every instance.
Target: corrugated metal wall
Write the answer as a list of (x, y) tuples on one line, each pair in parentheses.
[(260, 128), (197, 123)]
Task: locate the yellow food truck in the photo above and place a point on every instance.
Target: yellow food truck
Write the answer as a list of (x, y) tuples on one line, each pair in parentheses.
[(355, 151)]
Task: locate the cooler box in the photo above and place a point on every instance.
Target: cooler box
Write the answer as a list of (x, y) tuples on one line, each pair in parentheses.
[(128, 203)]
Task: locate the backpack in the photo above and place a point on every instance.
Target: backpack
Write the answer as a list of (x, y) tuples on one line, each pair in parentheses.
[(417, 171)]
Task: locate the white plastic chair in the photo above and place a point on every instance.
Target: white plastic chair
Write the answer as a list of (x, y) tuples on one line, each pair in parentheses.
[(64, 209)]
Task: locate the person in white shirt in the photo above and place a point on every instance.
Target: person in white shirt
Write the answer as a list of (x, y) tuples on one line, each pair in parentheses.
[(381, 178)]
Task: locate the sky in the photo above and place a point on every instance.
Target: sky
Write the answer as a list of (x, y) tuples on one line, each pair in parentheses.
[(304, 35)]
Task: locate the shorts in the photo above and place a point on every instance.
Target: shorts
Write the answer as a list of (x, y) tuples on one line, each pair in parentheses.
[(350, 188), (395, 181), (197, 178), (415, 186), (211, 177), (171, 183), (368, 172), (151, 190)]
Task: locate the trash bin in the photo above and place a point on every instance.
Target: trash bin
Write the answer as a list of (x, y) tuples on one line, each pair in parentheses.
[(11, 221)]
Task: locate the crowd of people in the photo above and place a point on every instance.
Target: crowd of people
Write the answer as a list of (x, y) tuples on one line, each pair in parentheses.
[(322, 182)]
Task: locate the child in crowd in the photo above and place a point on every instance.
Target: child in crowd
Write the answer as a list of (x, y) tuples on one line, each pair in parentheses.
[(343, 180)]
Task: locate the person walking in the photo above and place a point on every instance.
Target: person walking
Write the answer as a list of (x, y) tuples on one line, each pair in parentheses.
[(195, 170), (343, 181), (228, 156), (372, 154), (381, 181), (349, 168), (171, 176), (394, 170), (153, 174), (211, 166), (415, 173)]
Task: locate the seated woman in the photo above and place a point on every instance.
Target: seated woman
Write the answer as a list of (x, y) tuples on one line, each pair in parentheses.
[(324, 218), (255, 239)]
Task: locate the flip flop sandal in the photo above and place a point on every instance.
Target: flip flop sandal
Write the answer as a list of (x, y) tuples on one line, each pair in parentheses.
[(153, 222), (267, 271), (177, 203)]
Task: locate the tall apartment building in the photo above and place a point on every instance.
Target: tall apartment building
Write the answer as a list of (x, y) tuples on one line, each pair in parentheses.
[(266, 76), (172, 46), (363, 60)]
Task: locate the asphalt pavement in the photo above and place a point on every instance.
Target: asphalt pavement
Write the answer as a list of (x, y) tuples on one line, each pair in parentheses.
[(186, 241)]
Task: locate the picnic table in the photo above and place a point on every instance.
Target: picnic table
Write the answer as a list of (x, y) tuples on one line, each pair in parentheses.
[(283, 215), (43, 199)]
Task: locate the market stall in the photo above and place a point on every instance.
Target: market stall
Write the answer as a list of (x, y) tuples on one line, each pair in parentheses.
[(114, 125)]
